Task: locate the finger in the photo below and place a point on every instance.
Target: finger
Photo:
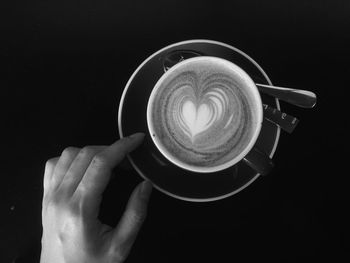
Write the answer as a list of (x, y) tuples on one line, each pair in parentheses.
[(78, 167), (49, 168), (98, 173), (65, 160), (125, 233)]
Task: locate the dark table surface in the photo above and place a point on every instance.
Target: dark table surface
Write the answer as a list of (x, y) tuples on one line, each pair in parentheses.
[(64, 65)]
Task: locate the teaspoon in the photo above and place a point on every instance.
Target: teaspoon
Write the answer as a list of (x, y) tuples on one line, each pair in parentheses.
[(301, 98)]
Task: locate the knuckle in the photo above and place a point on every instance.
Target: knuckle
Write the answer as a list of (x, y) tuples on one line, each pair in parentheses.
[(54, 199), (60, 203), (99, 160), (51, 162), (69, 151), (87, 151), (74, 209)]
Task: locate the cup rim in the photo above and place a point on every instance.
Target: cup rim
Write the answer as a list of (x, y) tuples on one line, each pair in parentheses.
[(120, 107), (257, 125)]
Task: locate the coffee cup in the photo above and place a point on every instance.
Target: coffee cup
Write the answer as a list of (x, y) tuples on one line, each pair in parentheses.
[(170, 176), (204, 115)]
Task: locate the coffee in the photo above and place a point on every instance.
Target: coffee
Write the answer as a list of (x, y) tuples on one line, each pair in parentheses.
[(204, 114)]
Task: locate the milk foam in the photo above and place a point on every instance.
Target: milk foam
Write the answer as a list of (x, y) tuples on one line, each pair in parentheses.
[(202, 114)]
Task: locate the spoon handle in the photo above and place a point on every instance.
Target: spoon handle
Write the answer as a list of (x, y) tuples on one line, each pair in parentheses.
[(301, 98)]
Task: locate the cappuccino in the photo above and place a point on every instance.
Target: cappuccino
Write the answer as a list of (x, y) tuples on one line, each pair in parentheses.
[(204, 114)]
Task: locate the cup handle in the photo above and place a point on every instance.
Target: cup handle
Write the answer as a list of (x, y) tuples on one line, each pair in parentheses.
[(259, 161)]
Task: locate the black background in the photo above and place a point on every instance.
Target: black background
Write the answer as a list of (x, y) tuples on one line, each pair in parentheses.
[(64, 65)]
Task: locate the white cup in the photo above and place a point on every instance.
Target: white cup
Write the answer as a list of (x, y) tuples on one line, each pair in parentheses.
[(256, 123)]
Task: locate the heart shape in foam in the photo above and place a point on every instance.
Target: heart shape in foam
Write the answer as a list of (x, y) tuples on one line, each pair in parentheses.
[(195, 119)]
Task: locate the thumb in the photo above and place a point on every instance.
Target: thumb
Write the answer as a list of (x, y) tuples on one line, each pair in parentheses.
[(135, 213)]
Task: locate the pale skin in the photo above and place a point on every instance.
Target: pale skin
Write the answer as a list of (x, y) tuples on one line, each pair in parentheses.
[(73, 187)]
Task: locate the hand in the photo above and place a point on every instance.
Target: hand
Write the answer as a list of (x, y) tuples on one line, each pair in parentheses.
[(73, 187)]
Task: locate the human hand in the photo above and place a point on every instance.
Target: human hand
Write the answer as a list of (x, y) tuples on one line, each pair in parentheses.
[(73, 187)]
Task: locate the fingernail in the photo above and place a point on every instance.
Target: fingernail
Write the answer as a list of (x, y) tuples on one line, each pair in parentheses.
[(136, 135), (146, 188)]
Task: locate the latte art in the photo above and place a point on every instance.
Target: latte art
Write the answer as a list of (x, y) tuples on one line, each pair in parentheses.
[(196, 115), (201, 116)]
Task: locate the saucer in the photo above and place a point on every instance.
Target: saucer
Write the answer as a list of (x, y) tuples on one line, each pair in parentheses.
[(149, 162)]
